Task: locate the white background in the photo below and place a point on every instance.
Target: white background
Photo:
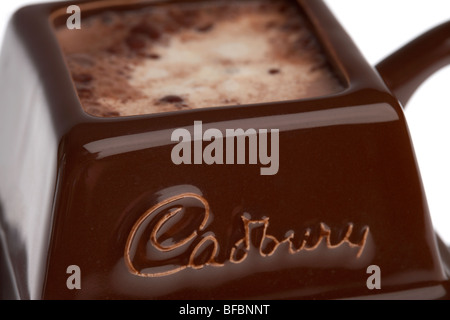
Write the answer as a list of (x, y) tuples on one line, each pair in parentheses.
[(379, 27)]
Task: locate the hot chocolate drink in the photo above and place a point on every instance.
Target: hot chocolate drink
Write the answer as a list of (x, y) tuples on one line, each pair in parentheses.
[(193, 55)]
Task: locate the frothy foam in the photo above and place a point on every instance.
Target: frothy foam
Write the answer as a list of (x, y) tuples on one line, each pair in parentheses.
[(186, 56)]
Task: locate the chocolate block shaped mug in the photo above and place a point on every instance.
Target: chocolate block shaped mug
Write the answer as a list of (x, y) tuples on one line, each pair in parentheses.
[(106, 196)]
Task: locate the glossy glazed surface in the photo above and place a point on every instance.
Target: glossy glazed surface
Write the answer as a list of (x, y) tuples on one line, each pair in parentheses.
[(347, 194)]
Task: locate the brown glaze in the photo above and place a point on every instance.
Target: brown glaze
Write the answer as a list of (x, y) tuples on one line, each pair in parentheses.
[(347, 195), (427, 54)]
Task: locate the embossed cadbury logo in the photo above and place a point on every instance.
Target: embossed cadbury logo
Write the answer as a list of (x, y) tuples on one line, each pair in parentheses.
[(171, 236)]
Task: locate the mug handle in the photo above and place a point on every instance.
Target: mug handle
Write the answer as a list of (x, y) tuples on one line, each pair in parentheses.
[(407, 68)]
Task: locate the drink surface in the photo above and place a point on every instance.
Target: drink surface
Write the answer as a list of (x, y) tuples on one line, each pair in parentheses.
[(195, 55)]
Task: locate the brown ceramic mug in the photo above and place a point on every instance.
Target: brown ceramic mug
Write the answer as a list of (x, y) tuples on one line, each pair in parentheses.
[(102, 198)]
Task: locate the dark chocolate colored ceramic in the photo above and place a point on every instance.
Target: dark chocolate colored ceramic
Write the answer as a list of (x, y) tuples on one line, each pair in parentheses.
[(100, 193)]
